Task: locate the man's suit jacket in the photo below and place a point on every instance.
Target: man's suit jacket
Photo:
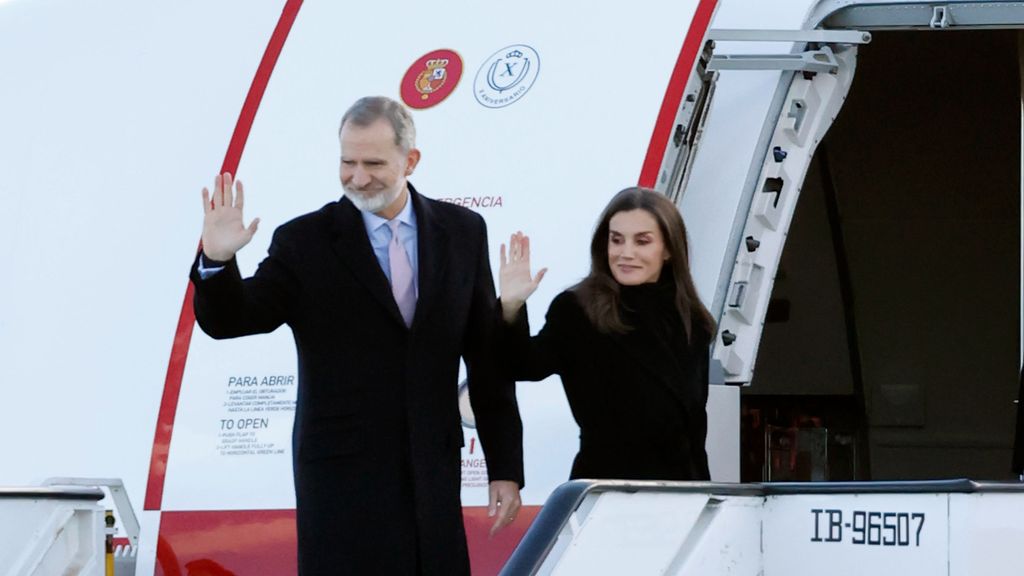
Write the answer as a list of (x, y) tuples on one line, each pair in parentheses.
[(377, 437)]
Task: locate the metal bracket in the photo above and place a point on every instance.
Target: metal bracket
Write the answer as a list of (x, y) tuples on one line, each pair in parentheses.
[(940, 17), (116, 489), (821, 60), (818, 36)]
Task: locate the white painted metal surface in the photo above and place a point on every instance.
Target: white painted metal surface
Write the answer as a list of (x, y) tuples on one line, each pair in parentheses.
[(723, 441), (651, 533), (689, 529), (808, 111), (848, 534), (43, 534)]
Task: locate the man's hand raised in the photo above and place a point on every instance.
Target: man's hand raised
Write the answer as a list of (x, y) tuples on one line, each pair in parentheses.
[(224, 233)]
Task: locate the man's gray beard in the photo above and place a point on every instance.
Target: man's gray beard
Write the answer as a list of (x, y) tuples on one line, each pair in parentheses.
[(374, 203)]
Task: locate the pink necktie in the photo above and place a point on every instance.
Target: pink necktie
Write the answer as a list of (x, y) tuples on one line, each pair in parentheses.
[(401, 275)]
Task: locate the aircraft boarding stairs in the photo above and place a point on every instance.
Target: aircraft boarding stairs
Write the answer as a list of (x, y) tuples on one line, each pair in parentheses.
[(60, 528), (947, 527)]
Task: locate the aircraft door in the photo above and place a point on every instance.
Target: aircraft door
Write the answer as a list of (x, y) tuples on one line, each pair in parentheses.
[(810, 93)]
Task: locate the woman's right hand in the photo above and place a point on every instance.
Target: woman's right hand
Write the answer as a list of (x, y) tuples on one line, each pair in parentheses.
[(514, 279)]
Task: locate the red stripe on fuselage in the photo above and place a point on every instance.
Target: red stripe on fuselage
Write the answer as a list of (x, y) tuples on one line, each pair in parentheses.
[(263, 542), (674, 93), (186, 320)]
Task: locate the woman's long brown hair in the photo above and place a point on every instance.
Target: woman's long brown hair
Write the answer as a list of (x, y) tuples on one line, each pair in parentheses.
[(599, 292)]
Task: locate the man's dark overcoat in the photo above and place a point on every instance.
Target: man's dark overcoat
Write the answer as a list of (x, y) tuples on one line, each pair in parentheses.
[(378, 432)]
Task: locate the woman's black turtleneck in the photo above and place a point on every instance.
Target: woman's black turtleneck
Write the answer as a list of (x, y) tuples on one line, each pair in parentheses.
[(652, 307), (639, 397)]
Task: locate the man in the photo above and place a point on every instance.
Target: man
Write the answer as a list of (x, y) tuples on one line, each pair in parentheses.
[(384, 291)]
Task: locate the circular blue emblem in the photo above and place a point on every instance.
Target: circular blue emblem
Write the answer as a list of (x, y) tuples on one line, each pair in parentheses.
[(506, 76)]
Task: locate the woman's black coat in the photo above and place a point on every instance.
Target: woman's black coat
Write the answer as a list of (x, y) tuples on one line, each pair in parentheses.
[(639, 398)]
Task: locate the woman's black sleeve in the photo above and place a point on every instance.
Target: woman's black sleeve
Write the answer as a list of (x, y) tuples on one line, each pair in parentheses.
[(535, 358)]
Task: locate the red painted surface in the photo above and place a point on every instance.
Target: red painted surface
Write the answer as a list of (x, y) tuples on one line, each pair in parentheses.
[(674, 94), (186, 320), (487, 555), (222, 543), (243, 542), (169, 404), (420, 89)]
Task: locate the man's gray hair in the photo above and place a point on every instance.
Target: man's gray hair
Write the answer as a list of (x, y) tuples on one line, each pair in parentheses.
[(369, 109)]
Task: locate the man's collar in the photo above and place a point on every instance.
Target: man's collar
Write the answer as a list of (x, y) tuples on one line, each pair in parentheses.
[(407, 216)]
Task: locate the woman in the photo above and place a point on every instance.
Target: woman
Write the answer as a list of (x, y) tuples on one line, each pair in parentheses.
[(630, 343)]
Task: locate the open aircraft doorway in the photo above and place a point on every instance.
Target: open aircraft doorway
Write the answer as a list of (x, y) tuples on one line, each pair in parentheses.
[(891, 344)]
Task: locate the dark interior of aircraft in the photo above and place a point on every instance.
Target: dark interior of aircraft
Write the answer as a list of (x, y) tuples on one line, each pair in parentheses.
[(891, 348)]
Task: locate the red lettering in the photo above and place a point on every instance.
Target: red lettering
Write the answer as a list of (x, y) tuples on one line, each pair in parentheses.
[(472, 201)]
